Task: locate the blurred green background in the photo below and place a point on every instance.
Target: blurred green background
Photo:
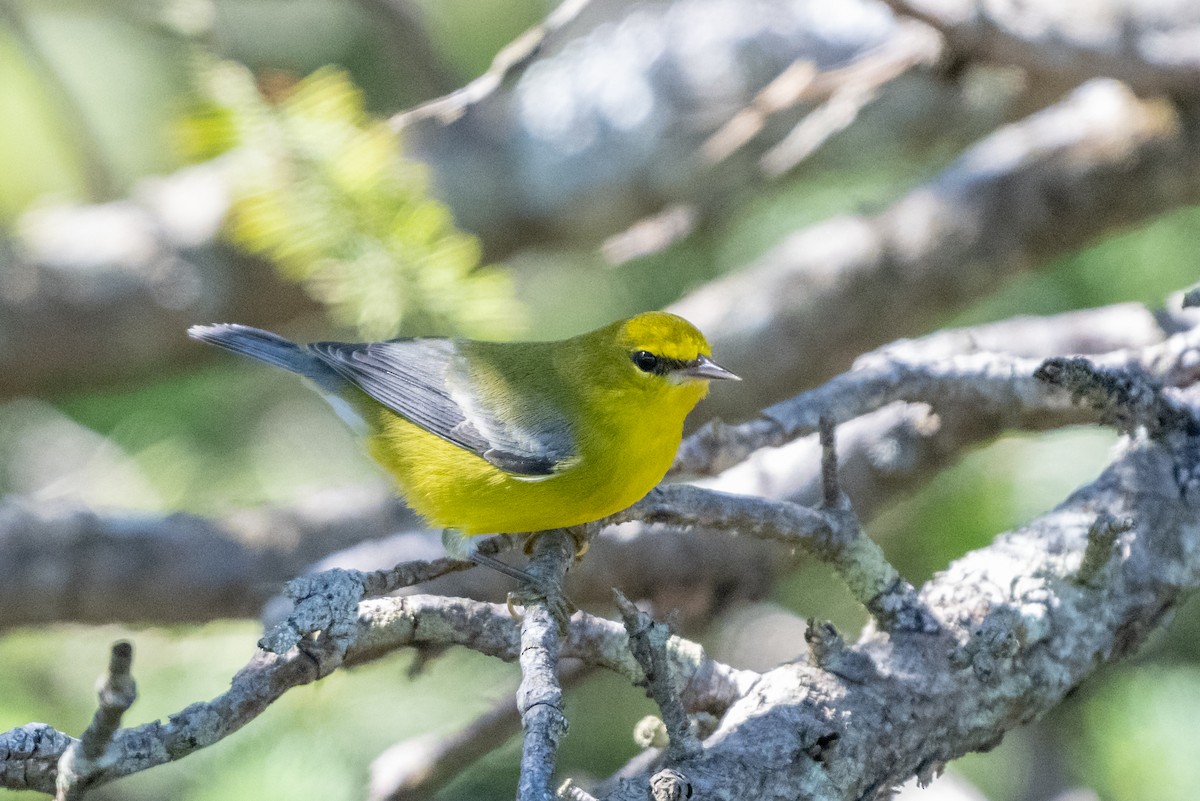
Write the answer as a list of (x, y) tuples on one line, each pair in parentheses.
[(94, 96)]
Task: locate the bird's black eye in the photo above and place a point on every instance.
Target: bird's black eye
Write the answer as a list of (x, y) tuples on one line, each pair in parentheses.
[(646, 362)]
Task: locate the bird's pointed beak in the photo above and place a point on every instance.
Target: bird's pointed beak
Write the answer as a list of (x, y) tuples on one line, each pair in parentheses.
[(707, 368)]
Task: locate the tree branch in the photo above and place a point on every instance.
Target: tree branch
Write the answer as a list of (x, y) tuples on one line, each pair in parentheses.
[(1019, 632), (831, 535), (648, 640), (92, 754), (1099, 160), (512, 60), (908, 46), (230, 567), (102, 294), (626, 147), (540, 696), (986, 383), (74, 564), (1017, 624), (29, 754), (1149, 46)]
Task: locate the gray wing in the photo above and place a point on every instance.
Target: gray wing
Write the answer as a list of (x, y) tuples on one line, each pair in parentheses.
[(423, 380)]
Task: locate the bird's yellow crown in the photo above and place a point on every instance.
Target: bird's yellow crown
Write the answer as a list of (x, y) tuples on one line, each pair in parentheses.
[(663, 334)]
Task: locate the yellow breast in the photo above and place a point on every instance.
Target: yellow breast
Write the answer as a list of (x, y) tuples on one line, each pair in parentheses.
[(621, 457)]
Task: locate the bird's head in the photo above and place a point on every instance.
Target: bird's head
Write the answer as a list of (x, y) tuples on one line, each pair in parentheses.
[(665, 350)]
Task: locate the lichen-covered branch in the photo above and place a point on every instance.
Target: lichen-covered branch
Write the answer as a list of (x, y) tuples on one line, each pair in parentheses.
[(229, 567), (93, 753), (985, 382), (29, 754), (998, 638), (648, 639), (252, 690), (1101, 159), (540, 696), (830, 535), (1019, 632)]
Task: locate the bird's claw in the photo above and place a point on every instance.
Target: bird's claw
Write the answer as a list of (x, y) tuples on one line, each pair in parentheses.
[(578, 534), (559, 605)]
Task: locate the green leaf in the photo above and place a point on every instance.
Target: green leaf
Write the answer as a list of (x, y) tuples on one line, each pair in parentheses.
[(325, 192)]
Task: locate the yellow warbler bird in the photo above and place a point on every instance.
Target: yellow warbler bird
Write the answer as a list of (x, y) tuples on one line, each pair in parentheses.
[(487, 437)]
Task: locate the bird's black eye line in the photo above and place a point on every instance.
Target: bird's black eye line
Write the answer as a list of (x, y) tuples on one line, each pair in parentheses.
[(649, 362)]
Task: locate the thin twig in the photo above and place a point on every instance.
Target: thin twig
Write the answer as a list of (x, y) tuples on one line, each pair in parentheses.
[(512, 59), (408, 574), (648, 642), (90, 756), (831, 535), (831, 491), (540, 698), (988, 382), (417, 769), (908, 47)]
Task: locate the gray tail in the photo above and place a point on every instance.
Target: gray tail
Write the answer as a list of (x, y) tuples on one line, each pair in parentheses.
[(269, 348)]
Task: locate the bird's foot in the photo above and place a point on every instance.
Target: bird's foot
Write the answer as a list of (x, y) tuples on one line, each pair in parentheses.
[(578, 534), (559, 605), (533, 590)]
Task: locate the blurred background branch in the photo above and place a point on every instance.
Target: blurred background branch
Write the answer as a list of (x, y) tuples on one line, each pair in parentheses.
[(1150, 46)]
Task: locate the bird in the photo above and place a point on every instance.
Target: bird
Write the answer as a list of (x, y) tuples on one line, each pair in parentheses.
[(490, 437)]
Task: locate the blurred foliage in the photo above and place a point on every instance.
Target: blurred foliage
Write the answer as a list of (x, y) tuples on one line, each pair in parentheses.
[(1138, 738), (471, 33), (324, 191), (1143, 265), (1029, 476), (32, 165), (176, 444), (76, 71)]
